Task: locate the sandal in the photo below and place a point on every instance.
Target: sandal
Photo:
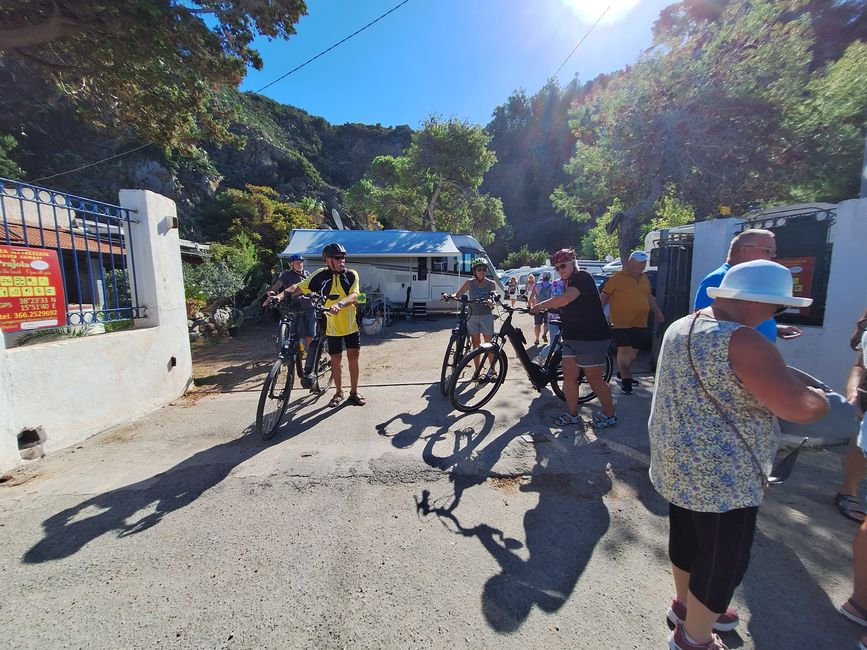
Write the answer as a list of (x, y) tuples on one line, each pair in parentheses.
[(357, 399), (336, 400), (602, 421), (854, 612), (566, 419), (850, 507)]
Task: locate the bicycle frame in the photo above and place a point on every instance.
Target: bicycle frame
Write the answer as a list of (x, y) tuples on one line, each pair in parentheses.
[(539, 376)]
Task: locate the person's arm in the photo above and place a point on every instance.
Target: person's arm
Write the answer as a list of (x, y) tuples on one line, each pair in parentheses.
[(556, 302), (605, 298), (350, 298), (788, 332), (457, 294), (654, 306), (760, 367), (855, 377)]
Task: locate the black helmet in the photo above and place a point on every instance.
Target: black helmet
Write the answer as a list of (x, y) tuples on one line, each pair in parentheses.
[(332, 250)]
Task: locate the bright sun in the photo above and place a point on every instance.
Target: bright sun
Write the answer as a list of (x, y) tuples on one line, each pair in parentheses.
[(590, 10)]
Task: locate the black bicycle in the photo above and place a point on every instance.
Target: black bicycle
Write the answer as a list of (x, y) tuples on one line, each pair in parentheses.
[(479, 375), (459, 342), (315, 373)]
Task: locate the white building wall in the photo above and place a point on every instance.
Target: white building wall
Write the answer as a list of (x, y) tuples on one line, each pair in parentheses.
[(70, 389), (710, 248)]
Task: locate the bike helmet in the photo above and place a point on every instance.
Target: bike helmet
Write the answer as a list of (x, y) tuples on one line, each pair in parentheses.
[(333, 249), (296, 258), (563, 255), (479, 261)]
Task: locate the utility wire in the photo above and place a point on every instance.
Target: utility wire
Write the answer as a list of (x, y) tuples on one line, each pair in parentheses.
[(592, 27), (78, 169), (268, 85), (325, 51)]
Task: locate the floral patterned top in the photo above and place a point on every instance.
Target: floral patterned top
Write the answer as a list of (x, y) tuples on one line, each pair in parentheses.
[(697, 460)]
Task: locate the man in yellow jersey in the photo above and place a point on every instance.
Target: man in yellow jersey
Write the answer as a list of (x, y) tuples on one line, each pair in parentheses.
[(339, 286), (628, 294)]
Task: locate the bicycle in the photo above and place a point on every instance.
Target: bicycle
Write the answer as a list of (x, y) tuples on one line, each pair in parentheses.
[(459, 342), (472, 386), (315, 374)]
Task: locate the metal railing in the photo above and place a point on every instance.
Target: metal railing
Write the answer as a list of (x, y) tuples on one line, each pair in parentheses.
[(92, 240)]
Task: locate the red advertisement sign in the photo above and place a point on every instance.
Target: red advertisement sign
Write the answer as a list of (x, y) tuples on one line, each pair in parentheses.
[(802, 278), (31, 289)]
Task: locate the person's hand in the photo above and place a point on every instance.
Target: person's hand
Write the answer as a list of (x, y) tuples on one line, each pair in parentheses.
[(660, 317), (534, 309), (788, 332), (335, 308)]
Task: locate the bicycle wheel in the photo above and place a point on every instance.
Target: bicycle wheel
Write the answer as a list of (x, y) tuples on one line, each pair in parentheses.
[(470, 388), (274, 398), (585, 393), (320, 372), (458, 346), (282, 334)]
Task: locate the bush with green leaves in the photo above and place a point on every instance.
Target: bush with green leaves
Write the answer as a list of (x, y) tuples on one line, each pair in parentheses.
[(524, 257)]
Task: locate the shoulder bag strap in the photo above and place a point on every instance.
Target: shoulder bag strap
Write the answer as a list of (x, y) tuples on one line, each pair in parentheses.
[(719, 407)]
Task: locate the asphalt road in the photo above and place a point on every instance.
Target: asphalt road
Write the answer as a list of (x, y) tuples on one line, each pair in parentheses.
[(397, 524)]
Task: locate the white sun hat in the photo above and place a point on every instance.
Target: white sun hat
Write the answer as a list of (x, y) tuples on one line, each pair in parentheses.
[(759, 281)]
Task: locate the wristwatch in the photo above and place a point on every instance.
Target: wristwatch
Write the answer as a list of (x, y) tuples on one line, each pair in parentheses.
[(340, 304)]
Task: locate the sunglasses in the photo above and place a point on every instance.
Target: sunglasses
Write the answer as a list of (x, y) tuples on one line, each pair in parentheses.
[(338, 257), (565, 265), (481, 268), (781, 309)]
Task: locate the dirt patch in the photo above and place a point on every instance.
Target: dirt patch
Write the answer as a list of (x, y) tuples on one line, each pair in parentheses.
[(231, 364)]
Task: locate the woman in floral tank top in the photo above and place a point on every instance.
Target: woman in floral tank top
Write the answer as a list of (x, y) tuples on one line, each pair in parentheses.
[(720, 386)]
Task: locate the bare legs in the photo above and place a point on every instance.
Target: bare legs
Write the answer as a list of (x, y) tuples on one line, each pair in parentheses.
[(854, 465), (625, 356), (699, 619), (337, 371), (595, 377)]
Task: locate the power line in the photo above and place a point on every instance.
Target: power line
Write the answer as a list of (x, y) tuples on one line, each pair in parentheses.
[(325, 51), (592, 27), (281, 77), (78, 169)]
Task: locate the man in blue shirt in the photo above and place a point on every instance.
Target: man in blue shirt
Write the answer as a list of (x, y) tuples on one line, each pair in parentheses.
[(745, 247)]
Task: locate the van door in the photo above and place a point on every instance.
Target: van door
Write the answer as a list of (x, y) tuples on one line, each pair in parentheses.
[(420, 281)]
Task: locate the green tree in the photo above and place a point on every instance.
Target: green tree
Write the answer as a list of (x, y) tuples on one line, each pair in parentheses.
[(8, 167), (524, 257), (154, 65), (435, 184)]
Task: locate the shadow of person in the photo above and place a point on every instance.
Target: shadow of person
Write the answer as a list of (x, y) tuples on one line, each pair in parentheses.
[(561, 531), (437, 410)]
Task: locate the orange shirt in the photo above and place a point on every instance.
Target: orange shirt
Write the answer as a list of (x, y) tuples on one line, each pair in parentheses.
[(628, 299)]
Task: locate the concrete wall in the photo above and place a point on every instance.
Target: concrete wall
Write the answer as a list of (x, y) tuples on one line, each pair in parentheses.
[(68, 390), (821, 351)]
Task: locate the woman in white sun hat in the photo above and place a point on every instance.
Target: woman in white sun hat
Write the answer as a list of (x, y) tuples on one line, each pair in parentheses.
[(720, 386)]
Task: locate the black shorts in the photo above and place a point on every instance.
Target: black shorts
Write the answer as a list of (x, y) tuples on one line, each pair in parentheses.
[(714, 548), (539, 319), (629, 337), (336, 343)]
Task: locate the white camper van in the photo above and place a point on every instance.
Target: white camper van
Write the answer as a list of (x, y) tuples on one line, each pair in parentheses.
[(409, 268)]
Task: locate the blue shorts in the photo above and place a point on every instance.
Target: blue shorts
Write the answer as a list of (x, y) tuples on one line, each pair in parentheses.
[(307, 323)]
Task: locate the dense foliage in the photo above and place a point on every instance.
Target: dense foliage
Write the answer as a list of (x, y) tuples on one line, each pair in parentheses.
[(434, 185), (736, 104), (151, 66)]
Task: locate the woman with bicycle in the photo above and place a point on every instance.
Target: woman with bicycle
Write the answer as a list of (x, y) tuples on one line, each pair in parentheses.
[(481, 324), (586, 338)]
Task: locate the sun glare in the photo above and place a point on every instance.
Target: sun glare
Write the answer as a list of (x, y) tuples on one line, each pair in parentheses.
[(590, 10)]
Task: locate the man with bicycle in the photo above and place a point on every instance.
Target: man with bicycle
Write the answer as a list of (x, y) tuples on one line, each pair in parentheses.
[(340, 288), (295, 274), (586, 337)]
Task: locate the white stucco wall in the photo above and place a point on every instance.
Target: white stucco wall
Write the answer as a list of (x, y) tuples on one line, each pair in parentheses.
[(73, 388), (824, 351)]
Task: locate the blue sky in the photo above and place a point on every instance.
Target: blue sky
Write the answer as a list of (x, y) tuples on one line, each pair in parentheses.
[(454, 58)]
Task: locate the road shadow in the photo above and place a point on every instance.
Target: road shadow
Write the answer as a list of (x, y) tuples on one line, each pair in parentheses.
[(561, 531), (136, 507)]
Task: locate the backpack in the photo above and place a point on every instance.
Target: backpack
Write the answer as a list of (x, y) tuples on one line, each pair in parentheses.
[(543, 291)]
